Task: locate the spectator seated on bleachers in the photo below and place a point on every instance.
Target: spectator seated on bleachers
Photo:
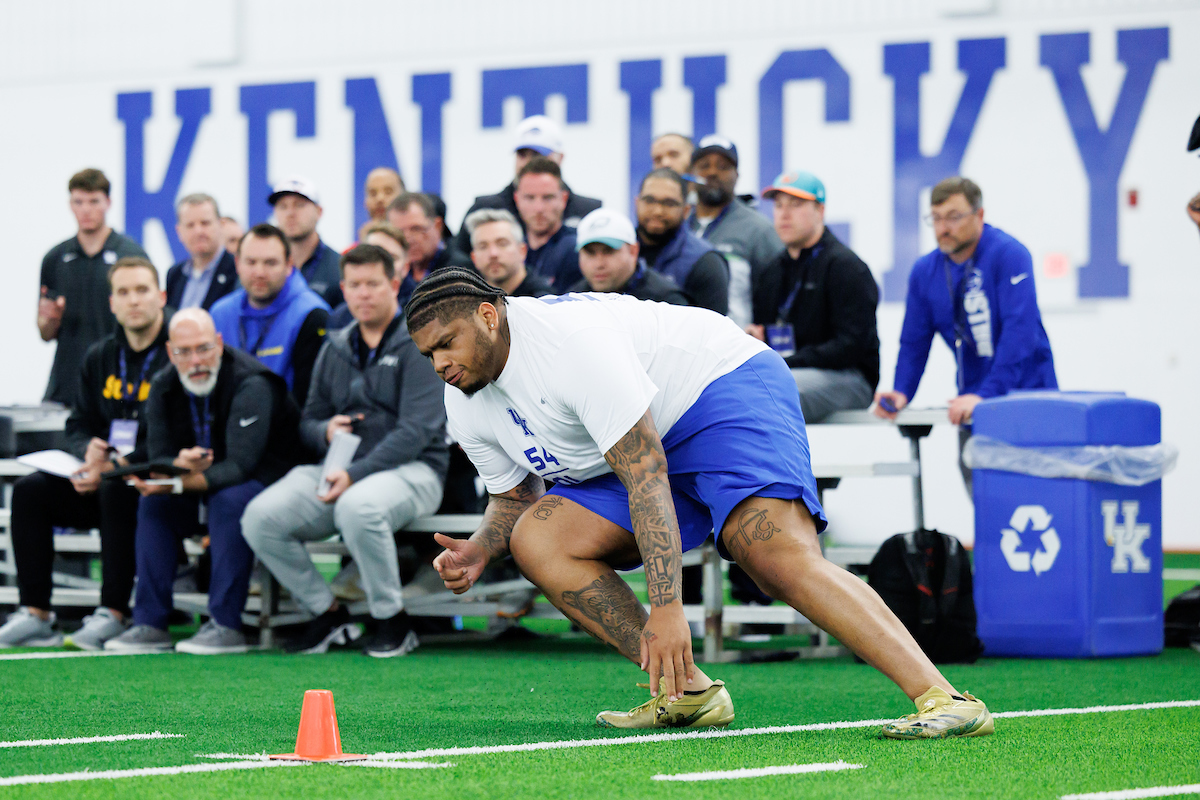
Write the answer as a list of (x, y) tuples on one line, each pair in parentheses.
[(230, 422), (370, 380), (815, 304), (389, 237), (104, 430), (274, 316), (608, 257)]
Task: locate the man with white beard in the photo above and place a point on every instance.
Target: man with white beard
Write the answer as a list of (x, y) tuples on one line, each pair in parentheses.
[(230, 422)]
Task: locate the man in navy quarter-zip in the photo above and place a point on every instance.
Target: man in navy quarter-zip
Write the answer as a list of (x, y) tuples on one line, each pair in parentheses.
[(274, 316), (977, 291)]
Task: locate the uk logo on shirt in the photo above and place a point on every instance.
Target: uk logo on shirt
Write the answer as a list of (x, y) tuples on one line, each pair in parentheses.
[(517, 420)]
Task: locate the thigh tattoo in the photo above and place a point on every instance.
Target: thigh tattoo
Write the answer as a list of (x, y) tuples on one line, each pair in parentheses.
[(752, 526), (546, 506)]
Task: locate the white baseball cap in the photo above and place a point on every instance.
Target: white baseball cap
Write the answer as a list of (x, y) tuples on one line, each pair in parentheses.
[(539, 133), (294, 184), (606, 226)]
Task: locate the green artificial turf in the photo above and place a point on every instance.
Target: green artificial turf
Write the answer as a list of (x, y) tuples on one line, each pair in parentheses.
[(549, 690)]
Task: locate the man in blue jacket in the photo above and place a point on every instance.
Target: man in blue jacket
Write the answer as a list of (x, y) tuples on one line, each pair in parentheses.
[(274, 316), (977, 291)]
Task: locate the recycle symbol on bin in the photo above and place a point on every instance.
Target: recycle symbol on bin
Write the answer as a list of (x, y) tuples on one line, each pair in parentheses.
[(1030, 519)]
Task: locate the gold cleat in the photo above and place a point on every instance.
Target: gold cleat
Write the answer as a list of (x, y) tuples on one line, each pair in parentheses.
[(711, 708), (941, 715)]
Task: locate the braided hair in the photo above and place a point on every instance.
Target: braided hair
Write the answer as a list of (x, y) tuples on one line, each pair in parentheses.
[(449, 294)]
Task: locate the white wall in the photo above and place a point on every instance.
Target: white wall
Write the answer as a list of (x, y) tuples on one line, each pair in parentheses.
[(63, 65)]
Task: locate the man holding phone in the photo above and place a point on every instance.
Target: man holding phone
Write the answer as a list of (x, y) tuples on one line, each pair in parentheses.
[(105, 429), (370, 382), (72, 307), (229, 422)]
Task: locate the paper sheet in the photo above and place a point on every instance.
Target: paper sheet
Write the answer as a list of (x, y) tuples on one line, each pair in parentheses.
[(340, 454), (53, 462)]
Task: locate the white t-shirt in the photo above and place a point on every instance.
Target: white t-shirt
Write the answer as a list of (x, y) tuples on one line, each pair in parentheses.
[(581, 371)]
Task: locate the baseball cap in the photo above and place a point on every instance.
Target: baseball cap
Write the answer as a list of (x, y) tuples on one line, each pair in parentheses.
[(607, 227), (804, 185), (715, 143), (539, 133), (294, 185)]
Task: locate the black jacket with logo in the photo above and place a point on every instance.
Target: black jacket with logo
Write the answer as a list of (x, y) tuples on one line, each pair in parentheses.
[(833, 315), (395, 389), (253, 422), (101, 397)]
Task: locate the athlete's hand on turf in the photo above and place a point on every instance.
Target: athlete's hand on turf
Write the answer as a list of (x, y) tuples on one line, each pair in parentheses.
[(897, 399), (460, 564), (962, 407), (667, 649)]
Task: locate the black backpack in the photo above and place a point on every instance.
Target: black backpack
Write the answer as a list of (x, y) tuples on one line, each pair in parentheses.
[(1181, 620), (925, 579)]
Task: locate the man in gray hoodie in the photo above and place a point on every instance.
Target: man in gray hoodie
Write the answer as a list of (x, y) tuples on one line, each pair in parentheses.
[(369, 380)]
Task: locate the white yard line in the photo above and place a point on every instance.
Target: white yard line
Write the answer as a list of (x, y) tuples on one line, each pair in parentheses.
[(571, 744), (1131, 794), (111, 774), (121, 737), (1181, 575), (759, 772), (71, 654)]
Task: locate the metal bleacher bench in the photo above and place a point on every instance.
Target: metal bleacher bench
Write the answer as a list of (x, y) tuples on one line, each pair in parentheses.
[(509, 598)]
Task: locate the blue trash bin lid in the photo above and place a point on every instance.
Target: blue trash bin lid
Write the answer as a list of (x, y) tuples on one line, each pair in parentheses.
[(1048, 418)]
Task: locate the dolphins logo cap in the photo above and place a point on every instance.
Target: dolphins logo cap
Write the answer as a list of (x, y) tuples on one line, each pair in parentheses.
[(715, 143), (294, 185), (606, 226), (539, 133), (804, 185)]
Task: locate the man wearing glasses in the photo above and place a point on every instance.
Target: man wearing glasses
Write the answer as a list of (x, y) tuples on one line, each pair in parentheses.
[(977, 291), (230, 423), (416, 215), (671, 249)]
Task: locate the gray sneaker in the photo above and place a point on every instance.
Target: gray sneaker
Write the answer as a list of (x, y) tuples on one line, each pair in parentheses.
[(141, 639), (214, 639), (26, 629), (97, 629)]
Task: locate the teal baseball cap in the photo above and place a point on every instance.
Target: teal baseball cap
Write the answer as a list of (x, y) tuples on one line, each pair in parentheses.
[(804, 185)]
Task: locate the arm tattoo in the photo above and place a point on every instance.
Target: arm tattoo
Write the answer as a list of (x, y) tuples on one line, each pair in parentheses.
[(502, 513), (609, 605), (639, 461)]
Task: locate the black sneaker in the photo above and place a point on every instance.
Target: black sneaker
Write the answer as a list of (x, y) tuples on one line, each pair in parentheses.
[(331, 628), (393, 637)]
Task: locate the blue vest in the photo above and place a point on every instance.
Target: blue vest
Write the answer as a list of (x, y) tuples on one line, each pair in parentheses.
[(268, 334), (681, 254)]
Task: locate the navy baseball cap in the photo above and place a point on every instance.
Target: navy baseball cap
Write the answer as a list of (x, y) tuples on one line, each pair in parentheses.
[(715, 143)]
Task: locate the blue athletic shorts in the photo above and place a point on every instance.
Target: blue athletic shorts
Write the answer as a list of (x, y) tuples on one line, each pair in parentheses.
[(743, 437)]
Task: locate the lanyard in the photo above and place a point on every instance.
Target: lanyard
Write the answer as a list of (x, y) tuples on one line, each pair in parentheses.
[(267, 324), (786, 308), (202, 429), (130, 392)]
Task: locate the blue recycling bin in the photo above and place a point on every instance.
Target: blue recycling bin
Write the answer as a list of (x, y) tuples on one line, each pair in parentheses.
[(1064, 567)]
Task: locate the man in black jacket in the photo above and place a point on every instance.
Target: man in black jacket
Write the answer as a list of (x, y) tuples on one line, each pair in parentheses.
[(105, 429), (209, 272), (369, 381), (608, 258), (815, 304), (536, 136), (230, 422)]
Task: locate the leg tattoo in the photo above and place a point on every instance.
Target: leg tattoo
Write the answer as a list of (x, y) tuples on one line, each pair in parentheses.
[(752, 526), (610, 604)]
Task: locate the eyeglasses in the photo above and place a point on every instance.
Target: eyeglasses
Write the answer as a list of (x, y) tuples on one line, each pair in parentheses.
[(198, 350), (668, 203), (949, 219)]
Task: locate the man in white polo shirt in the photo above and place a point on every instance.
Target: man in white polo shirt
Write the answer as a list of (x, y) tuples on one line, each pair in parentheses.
[(658, 424)]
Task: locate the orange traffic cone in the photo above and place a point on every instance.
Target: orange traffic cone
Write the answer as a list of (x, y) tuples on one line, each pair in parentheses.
[(318, 739)]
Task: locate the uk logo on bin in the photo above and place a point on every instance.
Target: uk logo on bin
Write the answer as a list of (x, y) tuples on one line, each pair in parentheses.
[(1126, 538), (1030, 521)]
